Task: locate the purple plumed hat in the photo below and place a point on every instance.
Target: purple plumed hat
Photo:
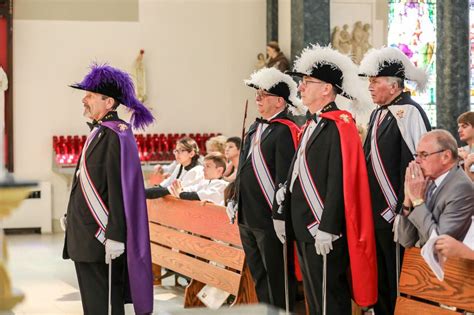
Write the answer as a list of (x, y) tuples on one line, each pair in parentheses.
[(115, 83)]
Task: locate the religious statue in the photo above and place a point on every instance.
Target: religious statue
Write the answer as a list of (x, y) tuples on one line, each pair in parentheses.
[(261, 62), (366, 46), (341, 39), (357, 42), (139, 77)]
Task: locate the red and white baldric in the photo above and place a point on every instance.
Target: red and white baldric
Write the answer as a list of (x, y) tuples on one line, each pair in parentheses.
[(260, 167), (310, 191), (384, 182), (94, 202)]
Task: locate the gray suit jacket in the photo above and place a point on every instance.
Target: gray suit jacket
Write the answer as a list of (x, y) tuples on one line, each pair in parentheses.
[(450, 213)]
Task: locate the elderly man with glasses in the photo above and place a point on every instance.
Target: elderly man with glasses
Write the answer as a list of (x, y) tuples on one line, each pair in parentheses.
[(327, 200), (395, 128), (439, 197), (266, 154)]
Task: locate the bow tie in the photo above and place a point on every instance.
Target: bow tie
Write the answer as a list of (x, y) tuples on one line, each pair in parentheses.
[(93, 124), (262, 121), (310, 116)]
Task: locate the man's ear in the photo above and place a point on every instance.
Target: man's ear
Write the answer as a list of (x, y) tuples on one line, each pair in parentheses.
[(281, 102), (109, 103)]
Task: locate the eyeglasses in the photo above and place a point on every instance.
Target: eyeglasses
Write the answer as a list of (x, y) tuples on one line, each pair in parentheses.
[(176, 151), (424, 155), (304, 82), (262, 94)]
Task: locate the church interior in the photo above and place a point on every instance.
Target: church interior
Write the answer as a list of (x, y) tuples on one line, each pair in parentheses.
[(188, 60)]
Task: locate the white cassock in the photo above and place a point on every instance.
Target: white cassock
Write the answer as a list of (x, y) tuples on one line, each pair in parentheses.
[(209, 190)]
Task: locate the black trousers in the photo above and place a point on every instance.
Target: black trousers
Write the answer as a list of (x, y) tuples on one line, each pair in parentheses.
[(338, 296), (387, 272), (264, 256), (94, 287)]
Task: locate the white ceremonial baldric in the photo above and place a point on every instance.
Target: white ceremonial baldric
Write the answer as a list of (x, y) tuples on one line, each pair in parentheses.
[(94, 202), (264, 126), (260, 167), (384, 182)]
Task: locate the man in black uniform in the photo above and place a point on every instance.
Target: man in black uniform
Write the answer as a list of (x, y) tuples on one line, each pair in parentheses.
[(106, 215), (264, 160), (327, 190), (395, 128)]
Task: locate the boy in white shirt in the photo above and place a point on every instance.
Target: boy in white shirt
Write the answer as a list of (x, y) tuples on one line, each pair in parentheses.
[(211, 188)]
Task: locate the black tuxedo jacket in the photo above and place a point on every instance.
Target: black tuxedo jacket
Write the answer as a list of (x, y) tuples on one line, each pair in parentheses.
[(278, 150), (395, 156), (323, 153), (103, 163)]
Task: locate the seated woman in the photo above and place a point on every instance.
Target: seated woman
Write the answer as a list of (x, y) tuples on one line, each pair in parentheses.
[(188, 171), (232, 153), (216, 144), (211, 188)]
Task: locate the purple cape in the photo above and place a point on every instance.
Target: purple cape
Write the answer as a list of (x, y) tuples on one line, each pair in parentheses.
[(138, 237)]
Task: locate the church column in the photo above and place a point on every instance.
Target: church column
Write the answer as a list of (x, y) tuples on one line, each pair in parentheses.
[(309, 24), (452, 62), (272, 20)]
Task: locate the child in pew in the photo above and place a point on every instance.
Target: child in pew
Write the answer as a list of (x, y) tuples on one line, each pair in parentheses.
[(189, 171), (211, 188)]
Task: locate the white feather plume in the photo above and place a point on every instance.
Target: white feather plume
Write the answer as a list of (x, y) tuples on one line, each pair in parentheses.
[(352, 84), (267, 78), (374, 59)]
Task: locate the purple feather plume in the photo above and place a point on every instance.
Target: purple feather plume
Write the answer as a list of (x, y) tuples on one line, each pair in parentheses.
[(118, 84)]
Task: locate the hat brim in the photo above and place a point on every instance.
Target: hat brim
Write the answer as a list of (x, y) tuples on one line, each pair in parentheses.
[(80, 87), (297, 74), (258, 88), (339, 90)]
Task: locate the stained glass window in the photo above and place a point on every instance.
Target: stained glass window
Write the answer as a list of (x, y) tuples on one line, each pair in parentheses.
[(412, 28), (471, 39)]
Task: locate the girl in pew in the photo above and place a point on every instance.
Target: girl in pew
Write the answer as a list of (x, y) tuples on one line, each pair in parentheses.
[(188, 171), (211, 187)]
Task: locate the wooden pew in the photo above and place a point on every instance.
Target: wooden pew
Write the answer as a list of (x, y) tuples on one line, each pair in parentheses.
[(186, 235), (422, 292)]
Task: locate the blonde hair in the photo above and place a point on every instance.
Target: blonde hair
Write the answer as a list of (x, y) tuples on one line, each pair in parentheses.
[(218, 142)]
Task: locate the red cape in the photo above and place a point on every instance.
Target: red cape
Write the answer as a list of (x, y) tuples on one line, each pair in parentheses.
[(294, 129), (358, 211)]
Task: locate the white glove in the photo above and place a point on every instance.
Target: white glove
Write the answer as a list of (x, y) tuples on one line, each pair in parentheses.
[(231, 211), (323, 242), (279, 226), (113, 249), (396, 222), (63, 222), (280, 195)]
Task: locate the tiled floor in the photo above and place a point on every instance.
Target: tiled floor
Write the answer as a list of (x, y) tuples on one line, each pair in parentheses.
[(49, 282)]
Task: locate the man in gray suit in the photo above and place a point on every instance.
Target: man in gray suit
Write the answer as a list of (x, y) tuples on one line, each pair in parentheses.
[(439, 197)]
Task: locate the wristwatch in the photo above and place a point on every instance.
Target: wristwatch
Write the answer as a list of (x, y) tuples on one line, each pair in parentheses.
[(417, 202)]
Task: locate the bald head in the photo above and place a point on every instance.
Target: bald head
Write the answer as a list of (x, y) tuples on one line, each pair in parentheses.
[(437, 153), (444, 141)]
